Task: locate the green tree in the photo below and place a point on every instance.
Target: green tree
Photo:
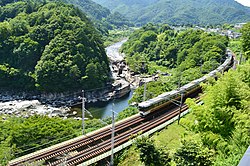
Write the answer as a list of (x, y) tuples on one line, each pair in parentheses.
[(149, 154), (246, 39), (51, 43), (220, 107), (92, 74), (221, 121), (193, 152)]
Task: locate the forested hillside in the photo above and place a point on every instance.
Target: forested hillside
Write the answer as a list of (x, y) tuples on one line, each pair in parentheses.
[(246, 40), (185, 55), (224, 126), (180, 11), (169, 48), (49, 47), (213, 133), (103, 19)]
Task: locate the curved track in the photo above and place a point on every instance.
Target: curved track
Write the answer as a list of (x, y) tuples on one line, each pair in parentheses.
[(75, 144), (93, 145), (87, 147), (121, 138)]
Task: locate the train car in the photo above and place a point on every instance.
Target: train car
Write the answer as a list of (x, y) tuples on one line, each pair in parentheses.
[(166, 98), (156, 103)]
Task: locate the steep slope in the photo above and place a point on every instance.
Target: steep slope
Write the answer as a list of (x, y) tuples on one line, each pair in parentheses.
[(100, 15), (91, 8), (180, 11), (49, 47)]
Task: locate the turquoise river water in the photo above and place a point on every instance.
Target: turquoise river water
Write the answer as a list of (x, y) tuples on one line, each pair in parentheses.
[(102, 110)]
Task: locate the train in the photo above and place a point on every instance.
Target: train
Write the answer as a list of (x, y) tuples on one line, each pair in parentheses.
[(163, 100)]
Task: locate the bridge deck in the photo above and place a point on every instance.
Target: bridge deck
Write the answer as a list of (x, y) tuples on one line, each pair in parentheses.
[(117, 149), (69, 141)]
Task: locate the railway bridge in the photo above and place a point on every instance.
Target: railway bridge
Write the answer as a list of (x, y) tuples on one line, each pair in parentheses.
[(95, 146)]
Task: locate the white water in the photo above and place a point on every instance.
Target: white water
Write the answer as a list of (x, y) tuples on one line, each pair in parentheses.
[(113, 52)]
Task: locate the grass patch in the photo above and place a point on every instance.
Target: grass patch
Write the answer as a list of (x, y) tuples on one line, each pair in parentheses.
[(131, 158), (169, 137)]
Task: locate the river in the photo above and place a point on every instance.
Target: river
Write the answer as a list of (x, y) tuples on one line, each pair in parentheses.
[(102, 110), (113, 53), (21, 107)]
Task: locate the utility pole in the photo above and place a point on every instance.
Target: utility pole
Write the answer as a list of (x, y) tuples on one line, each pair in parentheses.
[(144, 92), (179, 117), (83, 111), (179, 82), (182, 93), (240, 58), (112, 136), (65, 160)]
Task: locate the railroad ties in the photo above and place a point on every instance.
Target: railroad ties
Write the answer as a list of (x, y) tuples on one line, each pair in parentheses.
[(84, 148)]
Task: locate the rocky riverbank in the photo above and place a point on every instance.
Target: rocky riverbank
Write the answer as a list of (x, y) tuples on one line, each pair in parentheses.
[(58, 104), (26, 108)]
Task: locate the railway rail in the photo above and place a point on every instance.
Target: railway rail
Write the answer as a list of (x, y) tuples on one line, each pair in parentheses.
[(120, 139), (75, 144), (93, 145), (89, 146)]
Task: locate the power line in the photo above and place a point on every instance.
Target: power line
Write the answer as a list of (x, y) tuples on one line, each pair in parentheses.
[(55, 140), (83, 111), (112, 136), (99, 98), (39, 141), (44, 144), (52, 127)]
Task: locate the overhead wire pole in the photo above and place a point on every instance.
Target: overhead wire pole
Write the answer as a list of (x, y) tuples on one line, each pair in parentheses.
[(240, 58), (180, 106), (112, 136), (179, 82), (144, 92), (179, 117), (83, 111)]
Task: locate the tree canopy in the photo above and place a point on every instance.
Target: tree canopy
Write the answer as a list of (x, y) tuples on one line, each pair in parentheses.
[(246, 39), (222, 122), (186, 55), (178, 12), (49, 46)]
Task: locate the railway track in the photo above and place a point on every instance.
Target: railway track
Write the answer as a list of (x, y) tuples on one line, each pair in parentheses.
[(87, 147), (74, 145), (93, 145), (119, 139)]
